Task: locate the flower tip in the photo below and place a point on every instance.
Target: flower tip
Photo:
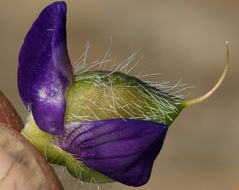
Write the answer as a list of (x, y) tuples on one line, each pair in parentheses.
[(216, 86), (62, 4)]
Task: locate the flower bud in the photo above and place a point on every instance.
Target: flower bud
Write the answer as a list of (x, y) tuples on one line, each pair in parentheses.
[(100, 95)]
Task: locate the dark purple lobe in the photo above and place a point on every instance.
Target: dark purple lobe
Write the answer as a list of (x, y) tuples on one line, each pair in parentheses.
[(122, 149), (44, 71)]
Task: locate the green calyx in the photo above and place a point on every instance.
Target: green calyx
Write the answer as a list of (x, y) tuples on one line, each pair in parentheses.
[(100, 95)]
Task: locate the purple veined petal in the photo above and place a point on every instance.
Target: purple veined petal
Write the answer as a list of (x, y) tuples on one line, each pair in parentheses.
[(122, 149), (44, 71)]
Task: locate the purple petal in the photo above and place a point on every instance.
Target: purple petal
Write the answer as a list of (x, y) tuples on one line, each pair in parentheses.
[(122, 149), (44, 71)]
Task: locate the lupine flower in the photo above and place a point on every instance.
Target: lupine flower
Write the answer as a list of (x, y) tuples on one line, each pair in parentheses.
[(99, 124)]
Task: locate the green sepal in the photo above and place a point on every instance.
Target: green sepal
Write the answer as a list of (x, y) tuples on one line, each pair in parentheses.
[(99, 95)]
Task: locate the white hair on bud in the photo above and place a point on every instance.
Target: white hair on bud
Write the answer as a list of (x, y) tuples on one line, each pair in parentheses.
[(126, 66), (116, 103)]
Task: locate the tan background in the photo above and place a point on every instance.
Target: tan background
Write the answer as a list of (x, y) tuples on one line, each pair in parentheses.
[(181, 40)]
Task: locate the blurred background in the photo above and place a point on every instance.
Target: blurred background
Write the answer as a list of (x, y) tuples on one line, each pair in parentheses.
[(181, 39)]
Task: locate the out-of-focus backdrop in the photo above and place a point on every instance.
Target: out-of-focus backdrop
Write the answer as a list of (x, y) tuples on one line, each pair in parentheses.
[(182, 40)]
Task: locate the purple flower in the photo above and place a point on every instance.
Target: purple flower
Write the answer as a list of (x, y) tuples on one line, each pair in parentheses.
[(107, 121), (122, 149)]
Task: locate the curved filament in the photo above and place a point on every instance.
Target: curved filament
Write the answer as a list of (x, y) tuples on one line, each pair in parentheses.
[(217, 85)]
